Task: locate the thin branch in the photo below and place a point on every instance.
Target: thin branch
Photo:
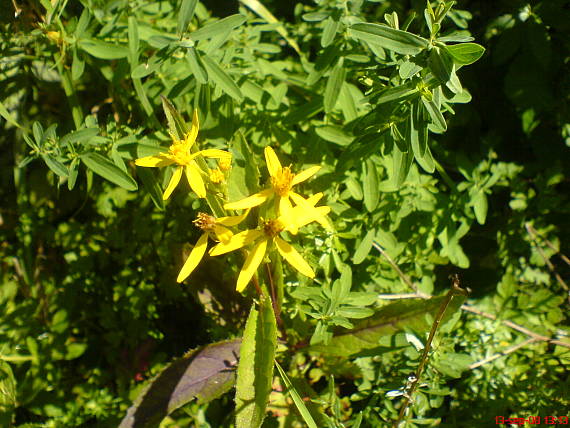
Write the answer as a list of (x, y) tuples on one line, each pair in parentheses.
[(402, 275), (516, 327), (502, 353), (456, 290), (531, 230)]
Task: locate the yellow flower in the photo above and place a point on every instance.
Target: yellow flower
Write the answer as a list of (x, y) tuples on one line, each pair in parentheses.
[(209, 224), (180, 153), (217, 176), (269, 233), (225, 164), (282, 182)]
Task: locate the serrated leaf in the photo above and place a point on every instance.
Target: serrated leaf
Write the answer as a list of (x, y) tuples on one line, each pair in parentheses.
[(204, 374), (185, 15), (465, 53), (370, 186), (55, 165), (102, 166), (389, 38), (334, 86), (219, 27), (255, 368), (221, 78), (103, 50)]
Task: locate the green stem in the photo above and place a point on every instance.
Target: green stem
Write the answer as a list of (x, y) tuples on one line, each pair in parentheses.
[(69, 89)]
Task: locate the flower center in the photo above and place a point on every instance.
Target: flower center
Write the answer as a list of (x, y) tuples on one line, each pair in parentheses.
[(282, 181), (179, 153), (273, 227), (205, 221)]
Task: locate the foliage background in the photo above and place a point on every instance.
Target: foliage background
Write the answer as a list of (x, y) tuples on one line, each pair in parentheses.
[(91, 306)]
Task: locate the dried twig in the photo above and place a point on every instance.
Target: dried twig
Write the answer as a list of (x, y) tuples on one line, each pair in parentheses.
[(502, 353)]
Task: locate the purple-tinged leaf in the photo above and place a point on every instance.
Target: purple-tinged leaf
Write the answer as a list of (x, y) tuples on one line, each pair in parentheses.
[(204, 374)]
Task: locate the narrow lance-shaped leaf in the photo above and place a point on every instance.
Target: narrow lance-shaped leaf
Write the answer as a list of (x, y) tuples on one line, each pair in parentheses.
[(221, 78), (334, 85), (389, 38), (329, 32), (103, 50), (176, 124), (185, 16), (55, 165), (440, 64), (196, 66), (218, 27), (402, 161), (305, 414), (204, 374), (108, 170), (370, 186), (255, 368)]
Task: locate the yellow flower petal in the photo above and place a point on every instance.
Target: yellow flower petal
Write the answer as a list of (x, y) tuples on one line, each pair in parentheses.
[(313, 199), (305, 175), (154, 161), (190, 138), (273, 164), (232, 220), (194, 258), (222, 233), (284, 209), (215, 153), (293, 257), (174, 180), (195, 179), (250, 201), (251, 264), (237, 241)]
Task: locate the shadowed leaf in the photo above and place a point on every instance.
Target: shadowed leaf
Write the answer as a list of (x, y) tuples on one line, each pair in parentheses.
[(204, 374)]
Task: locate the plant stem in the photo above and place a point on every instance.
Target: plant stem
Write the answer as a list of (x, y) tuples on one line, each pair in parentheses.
[(456, 290), (69, 89)]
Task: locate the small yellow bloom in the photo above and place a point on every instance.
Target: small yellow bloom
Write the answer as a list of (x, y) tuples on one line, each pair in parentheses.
[(225, 164), (209, 224), (282, 182), (179, 153), (217, 176), (269, 233)]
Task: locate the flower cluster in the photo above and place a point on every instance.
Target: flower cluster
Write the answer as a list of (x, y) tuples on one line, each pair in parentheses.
[(287, 211)]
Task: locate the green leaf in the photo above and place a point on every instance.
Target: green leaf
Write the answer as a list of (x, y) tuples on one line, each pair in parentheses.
[(103, 50), (77, 66), (219, 27), (205, 374), (196, 66), (105, 168), (334, 86), (393, 318), (397, 93), (334, 134), (329, 32), (417, 130), (398, 41), (435, 114), (370, 186), (441, 64), (465, 53), (221, 78), (133, 31), (81, 136), (402, 161), (7, 394), (176, 124), (480, 206), (243, 179), (364, 247), (55, 165), (8, 116), (255, 368), (73, 171), (303, 411), (185, 15)]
